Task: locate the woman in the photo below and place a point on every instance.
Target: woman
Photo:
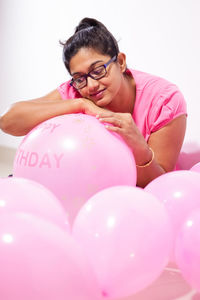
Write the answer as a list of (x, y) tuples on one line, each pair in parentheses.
[(147, 111)]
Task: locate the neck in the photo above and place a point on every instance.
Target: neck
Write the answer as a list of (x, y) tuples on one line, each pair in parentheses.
[(125, 99)]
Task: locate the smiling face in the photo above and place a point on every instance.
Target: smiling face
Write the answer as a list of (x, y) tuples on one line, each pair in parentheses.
[(105, 90)]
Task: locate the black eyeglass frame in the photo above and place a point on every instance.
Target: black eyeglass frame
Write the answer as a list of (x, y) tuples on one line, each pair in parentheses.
[(89, 75)]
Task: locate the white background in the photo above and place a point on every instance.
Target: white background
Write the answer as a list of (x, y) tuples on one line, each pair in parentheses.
[(160, 37)]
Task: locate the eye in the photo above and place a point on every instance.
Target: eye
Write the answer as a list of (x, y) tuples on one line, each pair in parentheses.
[(79, 80), (98, 71)]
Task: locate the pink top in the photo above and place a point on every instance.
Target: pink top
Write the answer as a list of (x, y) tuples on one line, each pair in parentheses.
[(158, 101)]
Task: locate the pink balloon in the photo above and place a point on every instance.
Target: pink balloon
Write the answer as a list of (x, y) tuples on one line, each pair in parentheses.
[(169, 285), (179, 191), (75, 157), (196, 168), (187, 249), (127, 236), (24, 195), (41, 261)]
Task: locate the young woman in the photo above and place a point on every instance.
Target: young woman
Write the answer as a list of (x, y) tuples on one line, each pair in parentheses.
[(147, 111)]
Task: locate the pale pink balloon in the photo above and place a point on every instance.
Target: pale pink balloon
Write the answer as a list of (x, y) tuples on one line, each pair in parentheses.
[(179, 191), (196, 168), (187, 251), (127, 236), (170, 285), (75, 157), (41, 261), (24, 195)]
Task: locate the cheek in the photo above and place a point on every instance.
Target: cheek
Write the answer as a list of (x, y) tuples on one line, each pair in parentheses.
[(112, 82), (115, 84), (83, 92)]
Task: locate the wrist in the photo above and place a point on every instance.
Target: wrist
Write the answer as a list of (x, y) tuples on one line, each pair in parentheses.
[(79, 105), (84, 105), (147, 161)]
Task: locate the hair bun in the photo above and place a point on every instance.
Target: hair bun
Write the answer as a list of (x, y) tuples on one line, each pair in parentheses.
[(86, 23), (90, 33)]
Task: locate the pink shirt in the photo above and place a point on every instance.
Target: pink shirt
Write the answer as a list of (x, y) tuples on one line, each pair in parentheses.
[(157, 102)]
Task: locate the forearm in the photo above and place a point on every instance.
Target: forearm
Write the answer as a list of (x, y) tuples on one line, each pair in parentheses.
[(25, 115), (147, 166), (166, 143), (148, 173)]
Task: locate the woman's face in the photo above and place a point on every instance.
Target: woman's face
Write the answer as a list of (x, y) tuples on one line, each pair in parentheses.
[(102, 91)]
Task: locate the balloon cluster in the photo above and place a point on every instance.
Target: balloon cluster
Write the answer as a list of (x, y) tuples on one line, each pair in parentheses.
[(73, 224)]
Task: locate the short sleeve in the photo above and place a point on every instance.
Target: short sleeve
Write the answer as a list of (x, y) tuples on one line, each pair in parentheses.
[(168, 106), (67, 91)]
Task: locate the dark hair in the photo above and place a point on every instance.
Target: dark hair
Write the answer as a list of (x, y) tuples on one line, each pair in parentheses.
[(89, 33)]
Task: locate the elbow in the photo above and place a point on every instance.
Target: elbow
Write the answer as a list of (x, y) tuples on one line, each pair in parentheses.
[(10, 122), (4, 124), (6, 121), (8, 126)]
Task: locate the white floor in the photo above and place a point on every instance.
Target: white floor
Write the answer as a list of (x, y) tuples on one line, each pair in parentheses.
[(6, 160), (169, 286)]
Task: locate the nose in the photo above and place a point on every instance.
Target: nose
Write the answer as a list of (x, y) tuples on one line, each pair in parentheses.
[(92, 84)]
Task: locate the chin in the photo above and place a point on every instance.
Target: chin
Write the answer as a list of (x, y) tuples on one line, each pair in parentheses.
[(103, 103)]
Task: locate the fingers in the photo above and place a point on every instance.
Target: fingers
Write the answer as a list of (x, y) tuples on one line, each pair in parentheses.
[(114, 129), (111, 122), (105, 114)]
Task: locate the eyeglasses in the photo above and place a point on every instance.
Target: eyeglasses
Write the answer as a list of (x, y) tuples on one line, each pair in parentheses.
[(97, 73)]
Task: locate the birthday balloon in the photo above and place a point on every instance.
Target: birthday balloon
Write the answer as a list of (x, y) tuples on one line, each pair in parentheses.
[(126, 234), (179, 191), (75, 156), (41, 261), (25, 195)]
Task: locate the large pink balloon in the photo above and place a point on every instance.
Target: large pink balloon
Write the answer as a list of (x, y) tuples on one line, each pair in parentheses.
[(41, 261), (24, 195), (179, 191), (127, 236), (196, 168), (187, 249), (75, 157)]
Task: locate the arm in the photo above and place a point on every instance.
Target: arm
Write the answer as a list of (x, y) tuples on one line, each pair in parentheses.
[(165, 143), (24, 115)]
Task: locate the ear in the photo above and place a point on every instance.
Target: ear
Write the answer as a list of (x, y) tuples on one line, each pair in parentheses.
[(122, 61)]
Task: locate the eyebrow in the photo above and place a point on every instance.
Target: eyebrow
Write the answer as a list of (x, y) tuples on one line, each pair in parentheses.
[(90, 68)]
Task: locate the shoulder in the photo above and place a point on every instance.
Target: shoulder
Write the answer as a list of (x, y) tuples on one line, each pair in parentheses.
[(67, 91), (155, 91), (149, 81), (158, 101)]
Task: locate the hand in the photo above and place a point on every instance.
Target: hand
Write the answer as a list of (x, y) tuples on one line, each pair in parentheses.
[(92, 109), (124, 125)]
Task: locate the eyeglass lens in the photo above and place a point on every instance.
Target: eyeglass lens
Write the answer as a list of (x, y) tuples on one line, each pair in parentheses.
[(96, 73)]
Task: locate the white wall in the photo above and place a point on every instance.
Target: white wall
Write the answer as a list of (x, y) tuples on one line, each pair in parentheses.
[(158, 36)]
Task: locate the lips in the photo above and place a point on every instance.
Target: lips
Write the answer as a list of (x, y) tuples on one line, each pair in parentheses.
[(97, 95)]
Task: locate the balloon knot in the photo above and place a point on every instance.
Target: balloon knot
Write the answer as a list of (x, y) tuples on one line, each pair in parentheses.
[(104, 294)]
